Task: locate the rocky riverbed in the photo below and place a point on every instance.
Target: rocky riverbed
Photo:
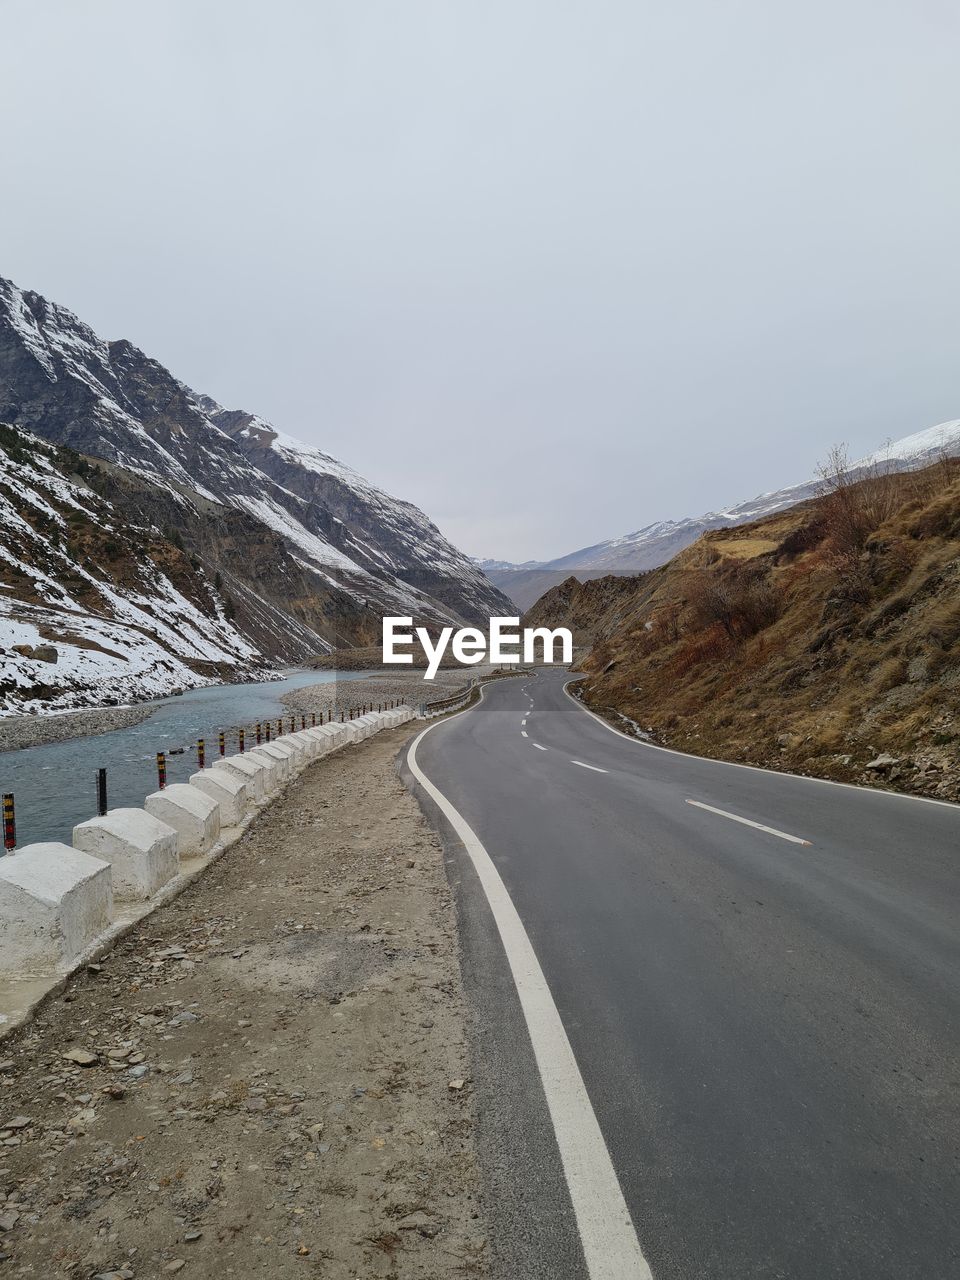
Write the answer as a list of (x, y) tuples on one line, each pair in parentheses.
[(36, 731)]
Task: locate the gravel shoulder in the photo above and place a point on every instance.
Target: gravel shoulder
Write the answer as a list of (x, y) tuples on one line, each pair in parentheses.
[(36, 731), (280, 1083)]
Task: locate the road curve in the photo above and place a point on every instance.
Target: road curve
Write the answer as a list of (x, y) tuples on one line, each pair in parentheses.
[(758, 976)]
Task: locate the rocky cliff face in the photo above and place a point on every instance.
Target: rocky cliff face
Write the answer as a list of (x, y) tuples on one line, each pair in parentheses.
[(61, 381)]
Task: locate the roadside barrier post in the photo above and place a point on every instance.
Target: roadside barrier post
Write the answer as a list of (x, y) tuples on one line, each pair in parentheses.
[(201, 753), (279, 728), (313, 720), (342, 717), (161, 769), (293, 724), (268, 730), (258, 733), (9, 824), (102, 792), (223, 743), (241, 740)]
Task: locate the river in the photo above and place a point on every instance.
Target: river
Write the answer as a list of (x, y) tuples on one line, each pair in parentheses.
[(55, 785)]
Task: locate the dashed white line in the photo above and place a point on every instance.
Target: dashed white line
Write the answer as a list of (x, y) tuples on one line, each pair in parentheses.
[(538, 746), (522, 723), (747, 822), (588, 766), (611, 1249)]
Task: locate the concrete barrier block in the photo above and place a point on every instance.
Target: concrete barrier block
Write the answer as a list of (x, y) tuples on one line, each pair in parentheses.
[(280, 757), (193, 815), (230, 792), (54, 903), (296, 754), (273, 765), (305, 742), (142, 851), (322, 739), (254, 772)]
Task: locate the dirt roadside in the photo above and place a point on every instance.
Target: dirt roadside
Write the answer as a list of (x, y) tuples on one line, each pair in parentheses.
[(280, 1083)]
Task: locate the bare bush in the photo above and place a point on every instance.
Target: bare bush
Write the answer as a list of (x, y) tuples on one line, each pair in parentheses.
[(741, 599)]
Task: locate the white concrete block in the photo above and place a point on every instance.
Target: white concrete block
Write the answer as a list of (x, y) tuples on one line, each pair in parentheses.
[(142, 850), (280, 756), (230, 792), (322, 739), (274, 767), (297, 754), (54, 903), (193, 815), (310, 740), (251, 771)]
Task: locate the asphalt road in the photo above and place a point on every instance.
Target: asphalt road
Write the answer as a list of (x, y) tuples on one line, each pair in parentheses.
[(767, 1030)]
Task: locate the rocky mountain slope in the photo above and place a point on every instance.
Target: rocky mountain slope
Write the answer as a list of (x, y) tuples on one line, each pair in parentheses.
[(155, 503), (657, 543), (61, 381), (93, 608), (823, 639)]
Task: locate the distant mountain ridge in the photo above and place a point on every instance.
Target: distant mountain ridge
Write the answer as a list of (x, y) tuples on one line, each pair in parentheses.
[(157, 540), (655, 544), (63, 382)]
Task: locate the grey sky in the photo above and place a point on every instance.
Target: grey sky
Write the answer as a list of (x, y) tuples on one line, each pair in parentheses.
[(551, 270)]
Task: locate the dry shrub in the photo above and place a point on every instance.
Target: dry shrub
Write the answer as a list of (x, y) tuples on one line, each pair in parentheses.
[(711, 645), (740, 598)]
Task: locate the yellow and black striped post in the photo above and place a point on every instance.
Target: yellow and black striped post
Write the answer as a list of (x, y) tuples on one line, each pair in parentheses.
[(279, 728), (9, 824), (241, 740), (161, 769), (313, 720), (293, 723), (268, 730), (258, 733), (223, 743), (303, 723), (201, 753)]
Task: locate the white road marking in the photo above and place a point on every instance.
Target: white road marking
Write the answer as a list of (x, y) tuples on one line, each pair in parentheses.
[(734, 817), (538, 746), (756, 768), (610, 1245), (522, 723), (588, 766), (523, 733)]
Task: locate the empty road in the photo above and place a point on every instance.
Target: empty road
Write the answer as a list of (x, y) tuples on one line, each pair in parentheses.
[(730, 996)]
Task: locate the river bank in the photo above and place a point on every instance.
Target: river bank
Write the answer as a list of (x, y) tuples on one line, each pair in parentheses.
[(276, 1081), (19, 732)]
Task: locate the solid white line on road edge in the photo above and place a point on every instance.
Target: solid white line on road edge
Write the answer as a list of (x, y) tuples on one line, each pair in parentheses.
[(538, 746), (755, 768), (610, 1245), (747, 822), (588, 766), (523, 733)]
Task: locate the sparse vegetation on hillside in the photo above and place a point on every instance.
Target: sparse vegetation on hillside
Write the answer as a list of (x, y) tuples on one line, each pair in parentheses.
[(824, 639)]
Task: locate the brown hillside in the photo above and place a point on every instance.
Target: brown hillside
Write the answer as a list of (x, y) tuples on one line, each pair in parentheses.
[(821, 640)]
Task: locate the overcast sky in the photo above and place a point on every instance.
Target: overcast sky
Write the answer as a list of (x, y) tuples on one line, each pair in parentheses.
[(550, 270)]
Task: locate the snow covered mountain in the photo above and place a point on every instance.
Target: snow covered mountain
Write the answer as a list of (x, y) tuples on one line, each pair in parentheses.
[(92, 608), (61, 381), (657, 543)]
